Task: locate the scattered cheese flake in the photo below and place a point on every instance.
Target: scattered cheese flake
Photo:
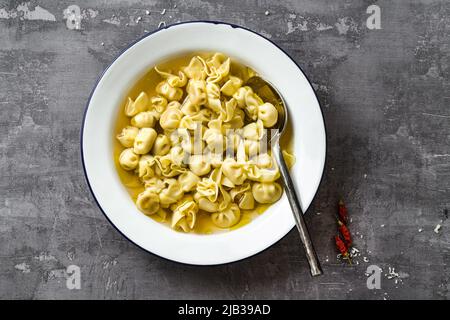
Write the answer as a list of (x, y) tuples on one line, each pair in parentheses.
[(163, 11), (138, 19), (174, 6), (102, 43), (147, 12), (161, 24), (365, 175), (438, 227), (420, 230), (318, 213), (382, 225), (365, 259), (267, 13)]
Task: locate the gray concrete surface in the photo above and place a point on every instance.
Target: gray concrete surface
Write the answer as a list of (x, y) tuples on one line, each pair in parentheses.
[(385, 96)]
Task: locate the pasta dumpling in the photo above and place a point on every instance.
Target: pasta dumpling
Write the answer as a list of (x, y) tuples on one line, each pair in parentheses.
[(218, 67), (127, 136), (169, 92), (188, 181), (157, 106), (146, 167), (155, 185), (234, 171), (170, 119), (148, 202), (185, 215), (199, 165), (196, 69), (205, 204), (254, 130), (268, 114), (128, 159), (196, 90), (228, 217), (143, 120), (243, 196), (172, 193), (134, 107), (231, 86), (265, 192), (144, 140), (161, 146), (175, 81)]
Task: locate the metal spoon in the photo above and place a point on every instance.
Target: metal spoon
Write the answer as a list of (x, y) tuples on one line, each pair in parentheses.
[(268, 93)]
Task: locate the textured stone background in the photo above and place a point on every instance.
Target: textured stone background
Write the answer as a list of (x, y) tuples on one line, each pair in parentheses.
[(385, 95)]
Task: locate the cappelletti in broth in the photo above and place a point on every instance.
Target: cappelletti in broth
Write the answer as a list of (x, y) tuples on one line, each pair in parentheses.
[(191, 145)]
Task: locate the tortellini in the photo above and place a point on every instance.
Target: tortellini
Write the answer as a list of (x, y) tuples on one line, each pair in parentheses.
[(148, 202), (266, 192), (172, 193), (234, 171), (199, 165), (268, 114), (127, 136), (128, 159), (243, 196), (194, 145), (132, 108), (188, 181), (161, 146), (146, 167), (231, 86), (228, 217), (169, 92), (144, 140), (170, 119), (185, 215), (143, 120)]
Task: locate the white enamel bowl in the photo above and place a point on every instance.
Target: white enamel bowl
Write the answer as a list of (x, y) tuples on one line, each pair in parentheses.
[(97, 149)]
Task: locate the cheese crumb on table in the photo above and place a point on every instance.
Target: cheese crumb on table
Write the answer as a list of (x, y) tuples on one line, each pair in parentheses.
[(438, 228)]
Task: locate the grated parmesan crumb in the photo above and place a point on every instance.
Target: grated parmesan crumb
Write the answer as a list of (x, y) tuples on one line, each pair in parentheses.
[(147, 12), (437, 229), (163, 11), (267, 13), (420, 230)]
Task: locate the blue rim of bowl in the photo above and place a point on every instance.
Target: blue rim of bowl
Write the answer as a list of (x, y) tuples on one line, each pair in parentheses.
[(122, 52)]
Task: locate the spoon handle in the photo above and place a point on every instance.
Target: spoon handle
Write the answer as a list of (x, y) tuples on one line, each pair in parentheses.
[(298, 213)]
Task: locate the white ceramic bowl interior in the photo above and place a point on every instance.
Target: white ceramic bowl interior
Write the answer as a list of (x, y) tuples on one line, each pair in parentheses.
[(101, 113)]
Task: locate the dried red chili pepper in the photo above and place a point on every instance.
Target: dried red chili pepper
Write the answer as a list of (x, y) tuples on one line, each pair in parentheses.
[(340, 245), (345, 233), (343, 214)]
